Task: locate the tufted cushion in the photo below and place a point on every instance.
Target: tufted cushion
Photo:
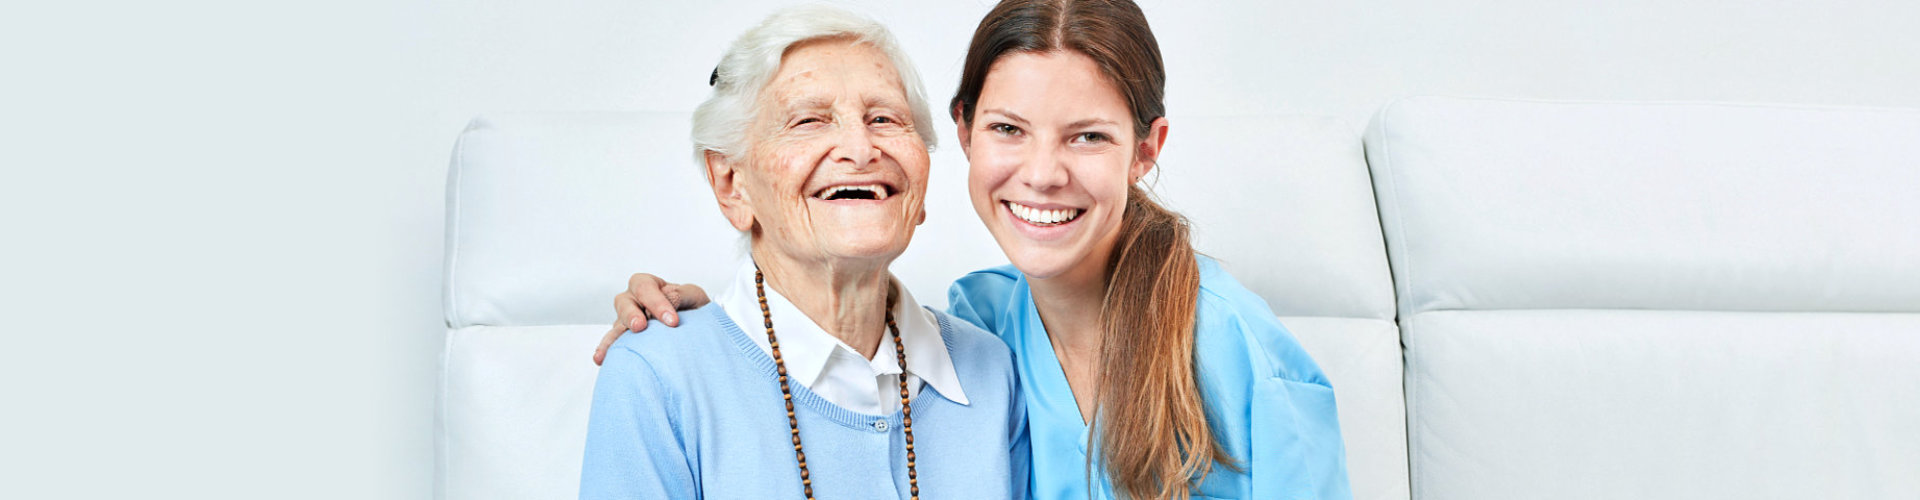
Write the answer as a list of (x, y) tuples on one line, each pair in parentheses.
[(1618, 300)]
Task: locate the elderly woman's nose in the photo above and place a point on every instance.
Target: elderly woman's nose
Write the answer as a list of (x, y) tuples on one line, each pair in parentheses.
[(855, 144)]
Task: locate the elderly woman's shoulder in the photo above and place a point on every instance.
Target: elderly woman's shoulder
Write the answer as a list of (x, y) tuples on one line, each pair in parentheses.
[(701, 330), (966, 339)]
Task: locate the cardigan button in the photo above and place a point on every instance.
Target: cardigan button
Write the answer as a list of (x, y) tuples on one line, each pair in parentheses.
[(879, 426)]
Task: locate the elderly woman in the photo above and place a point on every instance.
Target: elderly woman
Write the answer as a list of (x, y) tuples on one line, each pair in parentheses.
[(816, 375)]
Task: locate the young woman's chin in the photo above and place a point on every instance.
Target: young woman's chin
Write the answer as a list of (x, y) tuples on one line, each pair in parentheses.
[(1040, 264), (1045, 260)]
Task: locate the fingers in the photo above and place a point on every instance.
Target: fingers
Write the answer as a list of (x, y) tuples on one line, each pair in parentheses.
[(647, 291), (629, 318), (688, 296), (600, 353), (644, 298), (628, 314)]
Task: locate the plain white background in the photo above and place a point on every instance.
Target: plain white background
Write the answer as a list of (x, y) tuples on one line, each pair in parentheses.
[(222, 220)]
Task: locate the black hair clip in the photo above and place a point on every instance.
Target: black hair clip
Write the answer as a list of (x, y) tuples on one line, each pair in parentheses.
[(715, 78)]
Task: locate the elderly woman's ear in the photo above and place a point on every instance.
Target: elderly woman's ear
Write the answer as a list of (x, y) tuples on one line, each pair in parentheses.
[(728, 191)]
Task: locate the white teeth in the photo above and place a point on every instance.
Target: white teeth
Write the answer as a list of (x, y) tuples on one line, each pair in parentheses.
[(1044, 217), (879, 191)]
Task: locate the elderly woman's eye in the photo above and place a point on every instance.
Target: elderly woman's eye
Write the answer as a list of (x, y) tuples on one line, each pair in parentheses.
[(807, 121), (884, 120)]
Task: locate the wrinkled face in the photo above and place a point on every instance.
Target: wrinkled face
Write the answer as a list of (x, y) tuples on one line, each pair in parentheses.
[(834, 167), (1052, 152)]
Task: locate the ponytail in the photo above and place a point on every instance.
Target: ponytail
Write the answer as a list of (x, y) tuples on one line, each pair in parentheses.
[(1154, 435)]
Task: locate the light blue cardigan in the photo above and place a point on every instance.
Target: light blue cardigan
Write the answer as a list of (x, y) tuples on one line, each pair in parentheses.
[(696, 412), (1270, 406)]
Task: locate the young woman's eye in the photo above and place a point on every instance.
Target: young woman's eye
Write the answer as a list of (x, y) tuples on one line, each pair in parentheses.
[(1004, 129), (1090, 137)]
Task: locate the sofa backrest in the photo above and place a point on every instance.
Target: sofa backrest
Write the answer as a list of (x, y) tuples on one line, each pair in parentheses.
[(1607, 300)]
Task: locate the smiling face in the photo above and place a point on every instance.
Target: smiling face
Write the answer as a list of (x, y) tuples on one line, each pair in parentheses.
[(834, 169), (1052, 151)]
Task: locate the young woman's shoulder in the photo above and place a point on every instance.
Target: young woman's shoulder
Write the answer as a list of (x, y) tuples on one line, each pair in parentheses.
[(981, 296), (1231, 318)]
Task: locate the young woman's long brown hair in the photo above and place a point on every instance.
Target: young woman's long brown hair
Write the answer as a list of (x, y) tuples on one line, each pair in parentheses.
[(1152, 425)]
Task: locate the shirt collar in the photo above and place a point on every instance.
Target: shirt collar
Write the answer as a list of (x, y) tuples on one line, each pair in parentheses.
[(806, 348), (927, 355)]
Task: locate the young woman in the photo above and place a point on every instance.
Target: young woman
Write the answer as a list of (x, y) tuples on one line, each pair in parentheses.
[(1148, 372)]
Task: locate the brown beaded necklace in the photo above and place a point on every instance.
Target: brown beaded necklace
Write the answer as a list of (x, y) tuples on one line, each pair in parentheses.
[(793, 422)]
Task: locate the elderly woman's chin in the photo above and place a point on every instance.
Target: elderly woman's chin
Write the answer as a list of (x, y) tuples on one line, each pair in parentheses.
[(865, 229)]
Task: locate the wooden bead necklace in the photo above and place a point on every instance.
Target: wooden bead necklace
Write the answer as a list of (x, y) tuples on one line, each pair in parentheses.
[(786, 393)]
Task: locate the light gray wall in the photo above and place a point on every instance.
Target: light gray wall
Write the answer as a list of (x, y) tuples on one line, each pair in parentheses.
[(222, 220)]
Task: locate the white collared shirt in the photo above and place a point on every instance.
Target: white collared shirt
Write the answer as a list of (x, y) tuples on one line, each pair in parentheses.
[(834, 370)]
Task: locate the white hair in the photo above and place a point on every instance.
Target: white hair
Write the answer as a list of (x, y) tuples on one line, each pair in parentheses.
[(720, 124)]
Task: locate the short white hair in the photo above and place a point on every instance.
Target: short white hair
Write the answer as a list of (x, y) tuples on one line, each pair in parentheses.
[(720, 124)]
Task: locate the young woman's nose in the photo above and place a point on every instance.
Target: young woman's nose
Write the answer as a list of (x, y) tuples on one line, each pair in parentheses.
[(1044, 170)]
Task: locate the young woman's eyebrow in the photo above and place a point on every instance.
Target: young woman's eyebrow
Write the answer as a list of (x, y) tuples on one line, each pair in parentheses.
[(1090, 122), (1009, 114)]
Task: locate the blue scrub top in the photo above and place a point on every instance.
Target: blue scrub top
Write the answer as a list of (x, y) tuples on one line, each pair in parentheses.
[(1271, 407)]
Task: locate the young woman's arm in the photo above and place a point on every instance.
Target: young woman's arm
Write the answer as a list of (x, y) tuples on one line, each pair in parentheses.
[(1296, 439), (975, 298), (1293, 423)]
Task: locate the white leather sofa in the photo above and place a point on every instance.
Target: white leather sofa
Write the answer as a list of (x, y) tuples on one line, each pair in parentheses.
[(1512, 299), (1655, 300)]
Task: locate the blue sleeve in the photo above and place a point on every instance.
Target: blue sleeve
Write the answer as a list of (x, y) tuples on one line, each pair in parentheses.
[(1296, 446), (633, 449), (1296, 442), (979, 297)]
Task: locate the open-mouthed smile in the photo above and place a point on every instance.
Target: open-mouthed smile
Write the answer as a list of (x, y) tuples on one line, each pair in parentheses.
[(874, 192), (1043, 217)]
